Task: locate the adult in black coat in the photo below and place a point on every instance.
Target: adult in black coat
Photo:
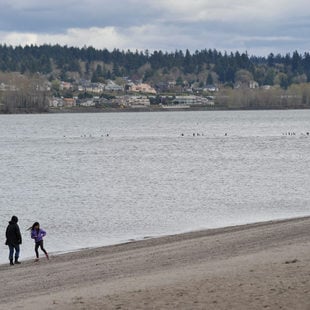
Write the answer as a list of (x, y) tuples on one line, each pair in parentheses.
[(13, 239)]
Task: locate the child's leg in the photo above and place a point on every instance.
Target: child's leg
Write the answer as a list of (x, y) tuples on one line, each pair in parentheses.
[(42, 247), (36, 249)]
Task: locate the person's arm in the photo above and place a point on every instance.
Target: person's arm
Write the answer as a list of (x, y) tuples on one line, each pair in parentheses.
[(6, 236), (18, 234), (33, 234)]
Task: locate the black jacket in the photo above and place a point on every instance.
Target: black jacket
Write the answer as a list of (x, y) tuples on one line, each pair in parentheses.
[(13, 235)]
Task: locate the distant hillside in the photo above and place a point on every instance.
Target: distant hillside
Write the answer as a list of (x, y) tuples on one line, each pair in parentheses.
[(203, 67)]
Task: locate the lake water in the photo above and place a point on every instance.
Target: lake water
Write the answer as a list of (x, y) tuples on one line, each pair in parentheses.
[(98, 179)]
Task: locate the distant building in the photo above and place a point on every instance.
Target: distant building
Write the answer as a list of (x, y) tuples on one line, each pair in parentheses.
[(2, 87), (162, 87), (253, 84), (56, 102), (211, 88), (172, 84), (86, 102), (69, 102), (142, 88), (112, 86), (250, 84), (190, 100), (65, 85), (96, 88), (6, 87), (134, 101), (266, 87)]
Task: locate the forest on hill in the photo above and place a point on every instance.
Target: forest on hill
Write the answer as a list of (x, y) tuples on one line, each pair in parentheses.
[(30, 76), (204, 67)]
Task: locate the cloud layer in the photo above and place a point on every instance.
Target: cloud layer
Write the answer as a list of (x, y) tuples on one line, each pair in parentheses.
[(260, 27)]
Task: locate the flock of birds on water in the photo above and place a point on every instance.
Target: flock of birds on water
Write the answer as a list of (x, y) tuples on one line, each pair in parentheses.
[(294, 134), (197, 134), (289, 133)]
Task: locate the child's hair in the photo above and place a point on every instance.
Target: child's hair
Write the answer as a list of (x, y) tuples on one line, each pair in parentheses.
[(33, 226)]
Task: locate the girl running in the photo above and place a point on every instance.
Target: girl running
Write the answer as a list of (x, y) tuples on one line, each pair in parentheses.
[(37, 234)]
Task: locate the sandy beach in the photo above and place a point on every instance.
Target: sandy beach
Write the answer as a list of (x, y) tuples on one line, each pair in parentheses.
[(255, 266)]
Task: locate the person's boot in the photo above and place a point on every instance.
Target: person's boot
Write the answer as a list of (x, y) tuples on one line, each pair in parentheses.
[(11, 262), (17, 261)]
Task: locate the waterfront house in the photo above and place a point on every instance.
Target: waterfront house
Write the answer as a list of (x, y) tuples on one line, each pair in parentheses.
[(69, 102), (134, 101), (56, 102), (190, 100), (142, 88), (86, 102), (112, 86)]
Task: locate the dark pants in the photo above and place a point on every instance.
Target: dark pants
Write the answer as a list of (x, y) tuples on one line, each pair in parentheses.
[(38, 245), (13, 248)]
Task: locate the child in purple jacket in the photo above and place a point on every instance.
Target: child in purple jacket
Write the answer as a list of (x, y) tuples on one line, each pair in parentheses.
[(37, 234)]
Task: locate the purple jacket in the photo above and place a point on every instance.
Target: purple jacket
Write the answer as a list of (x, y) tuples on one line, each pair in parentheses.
[(38, 235)]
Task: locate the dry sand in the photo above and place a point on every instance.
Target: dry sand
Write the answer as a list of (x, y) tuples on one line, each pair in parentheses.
[(257, 266)]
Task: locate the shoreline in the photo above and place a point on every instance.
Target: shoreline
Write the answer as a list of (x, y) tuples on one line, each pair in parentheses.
[(259, 265), (77, 110), (190, 234)]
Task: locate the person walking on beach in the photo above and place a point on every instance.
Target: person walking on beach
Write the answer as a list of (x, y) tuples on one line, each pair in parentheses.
[(13, 240), (37, 234)]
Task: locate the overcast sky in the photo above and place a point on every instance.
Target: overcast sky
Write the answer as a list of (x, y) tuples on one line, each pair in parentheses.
[(256, 26)]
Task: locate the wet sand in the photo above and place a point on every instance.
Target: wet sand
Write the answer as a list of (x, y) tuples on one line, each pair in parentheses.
[(256, 266)]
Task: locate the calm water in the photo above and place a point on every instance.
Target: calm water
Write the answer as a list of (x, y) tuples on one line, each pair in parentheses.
[(145, 179)]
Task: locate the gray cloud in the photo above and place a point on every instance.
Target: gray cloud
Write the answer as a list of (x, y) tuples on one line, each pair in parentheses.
[(57, 16), (259, 27)]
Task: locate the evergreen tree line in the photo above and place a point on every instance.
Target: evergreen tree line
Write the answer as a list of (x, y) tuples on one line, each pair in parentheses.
[(282, 69)]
